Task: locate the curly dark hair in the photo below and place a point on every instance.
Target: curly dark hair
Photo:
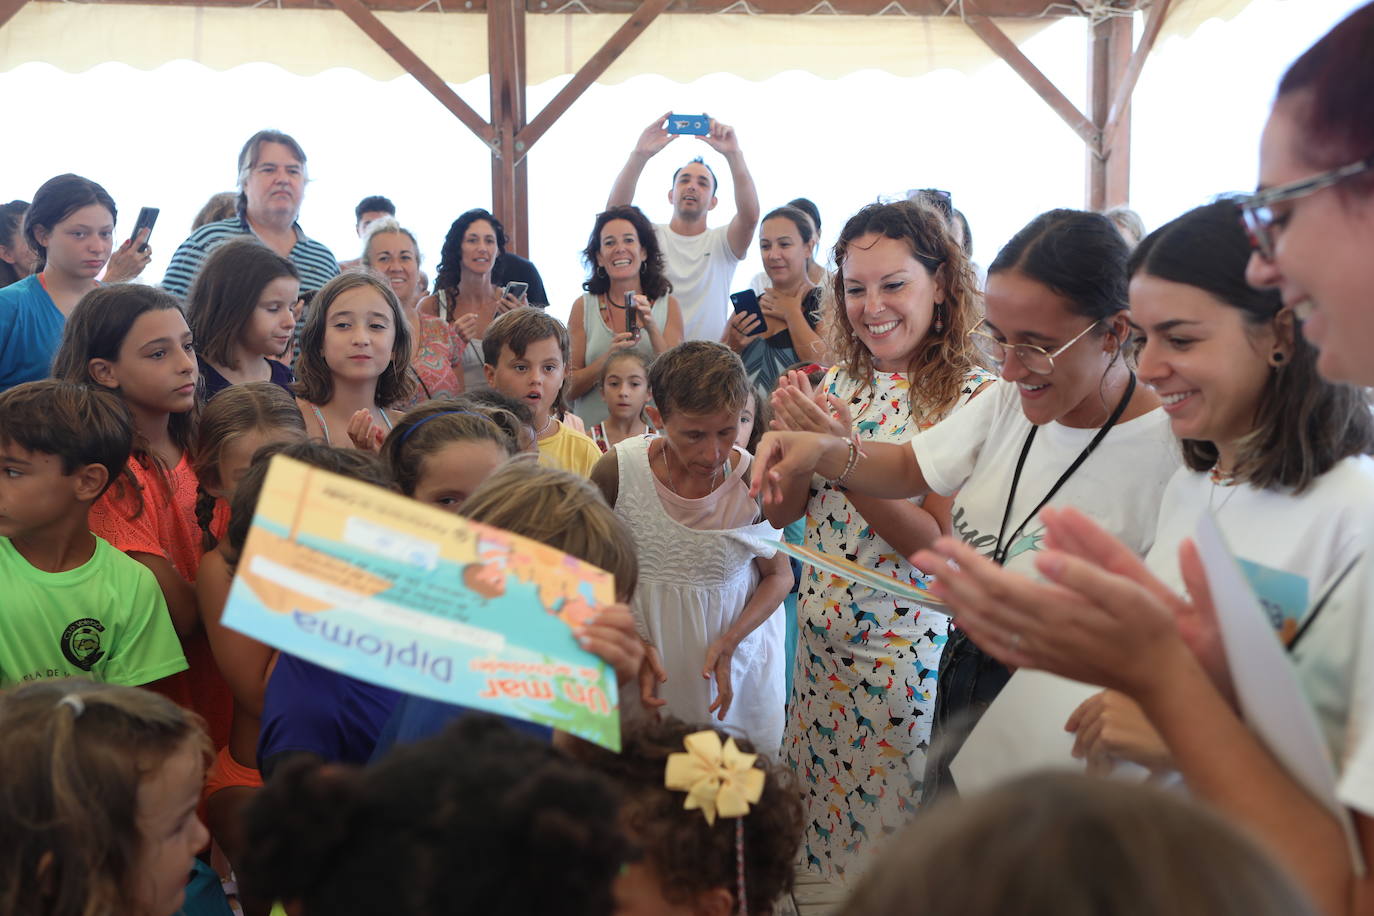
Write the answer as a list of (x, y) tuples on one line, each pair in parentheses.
[(497, 817), (944, 359), (450, 269), (686, 854), (653, 276)]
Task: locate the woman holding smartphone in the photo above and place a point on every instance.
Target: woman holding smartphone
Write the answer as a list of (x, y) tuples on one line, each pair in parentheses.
[(627, 306), (464, 294), (790, 307)]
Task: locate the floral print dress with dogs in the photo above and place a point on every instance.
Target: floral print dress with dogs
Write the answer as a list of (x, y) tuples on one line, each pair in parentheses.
[(858, 721)]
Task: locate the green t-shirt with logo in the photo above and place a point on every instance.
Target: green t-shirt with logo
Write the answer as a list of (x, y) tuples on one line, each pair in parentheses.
[(106, 620)]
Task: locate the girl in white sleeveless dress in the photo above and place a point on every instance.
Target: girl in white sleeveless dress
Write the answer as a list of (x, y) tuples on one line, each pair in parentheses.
[(711, 579)]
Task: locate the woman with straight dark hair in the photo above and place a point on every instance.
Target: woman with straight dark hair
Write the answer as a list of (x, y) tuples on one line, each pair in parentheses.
[(241, 309), (789, 303), (1279, 456), (70, 226), (1104, 618), (623, 258), (1068, 423)]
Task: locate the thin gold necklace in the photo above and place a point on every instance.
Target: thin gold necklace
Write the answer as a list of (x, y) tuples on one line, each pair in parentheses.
[(668, 469)]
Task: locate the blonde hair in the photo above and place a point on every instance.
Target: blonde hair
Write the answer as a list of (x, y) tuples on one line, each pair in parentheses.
[(236, 410), (560, 509), (940, 366), (73, 757)]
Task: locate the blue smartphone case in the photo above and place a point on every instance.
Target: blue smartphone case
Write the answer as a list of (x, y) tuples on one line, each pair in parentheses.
[(697, 125)]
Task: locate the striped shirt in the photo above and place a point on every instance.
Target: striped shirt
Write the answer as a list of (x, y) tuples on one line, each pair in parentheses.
[(314, 261)]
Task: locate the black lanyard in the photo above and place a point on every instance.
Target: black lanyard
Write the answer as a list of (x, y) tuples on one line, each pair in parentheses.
[(1321, 603), (999, 554)]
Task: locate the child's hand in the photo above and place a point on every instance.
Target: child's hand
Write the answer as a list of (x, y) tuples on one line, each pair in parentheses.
[(651, 674), (717, 665), (129, 259), (611, 636), (364, 432)]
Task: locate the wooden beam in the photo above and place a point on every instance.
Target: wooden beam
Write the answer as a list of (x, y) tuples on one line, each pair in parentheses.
[(1154, 21), (1006, 49), (509, 175), (1002, 9), (588, 73), (8, 8), (366, 20), (1108, 175)]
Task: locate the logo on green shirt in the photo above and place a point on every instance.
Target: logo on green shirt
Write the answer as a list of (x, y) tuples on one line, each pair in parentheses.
[(81, 642)]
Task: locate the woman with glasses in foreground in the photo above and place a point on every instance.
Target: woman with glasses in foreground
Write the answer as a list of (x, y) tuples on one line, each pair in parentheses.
[(1067, 423), (1104, 618)]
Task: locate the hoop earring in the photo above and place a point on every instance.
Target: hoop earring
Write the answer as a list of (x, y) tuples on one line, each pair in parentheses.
[(600, 271)]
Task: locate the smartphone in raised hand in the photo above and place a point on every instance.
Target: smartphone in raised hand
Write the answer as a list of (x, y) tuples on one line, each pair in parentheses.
[(147, 218)]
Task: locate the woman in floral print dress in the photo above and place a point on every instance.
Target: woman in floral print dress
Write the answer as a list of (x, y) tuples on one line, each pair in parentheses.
[(903, 300)]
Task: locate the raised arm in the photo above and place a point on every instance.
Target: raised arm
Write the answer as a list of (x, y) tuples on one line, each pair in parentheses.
[(651, 143), (883, 469), (723, 140)]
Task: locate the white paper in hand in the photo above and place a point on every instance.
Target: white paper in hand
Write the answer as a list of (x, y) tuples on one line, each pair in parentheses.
[(1271, 700)]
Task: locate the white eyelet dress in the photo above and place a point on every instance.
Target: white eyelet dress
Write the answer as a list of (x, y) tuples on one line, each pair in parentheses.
[(692, 586)]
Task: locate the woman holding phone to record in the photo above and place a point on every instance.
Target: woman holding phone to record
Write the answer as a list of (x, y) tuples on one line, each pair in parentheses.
[(783, 330), (625, 265), (70, 226), (464, 294), (1312, 226), (1067, 423)]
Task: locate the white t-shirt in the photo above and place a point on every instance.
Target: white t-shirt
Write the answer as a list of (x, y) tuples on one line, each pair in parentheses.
[(973, 454), (701, 269), (1291, 548), (1352, 653)]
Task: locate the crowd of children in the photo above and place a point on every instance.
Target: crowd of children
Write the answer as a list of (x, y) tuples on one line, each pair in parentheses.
[(1032, 452)]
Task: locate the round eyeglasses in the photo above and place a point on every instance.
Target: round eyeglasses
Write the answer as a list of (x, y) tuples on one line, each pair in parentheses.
[(1037, 360)]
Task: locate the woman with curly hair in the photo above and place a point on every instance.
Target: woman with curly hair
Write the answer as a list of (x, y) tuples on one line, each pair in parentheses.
[(465, 294), (907, 298), (624, 259)]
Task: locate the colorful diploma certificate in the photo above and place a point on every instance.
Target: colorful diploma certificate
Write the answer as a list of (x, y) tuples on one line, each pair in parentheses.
[(382, 588), (860, 575)]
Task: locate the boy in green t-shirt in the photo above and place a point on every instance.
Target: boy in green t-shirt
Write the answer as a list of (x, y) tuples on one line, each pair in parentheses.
[(70, 604)]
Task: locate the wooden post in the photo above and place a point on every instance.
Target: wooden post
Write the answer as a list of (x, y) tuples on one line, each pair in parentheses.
[(509, 174), (1109, 167)]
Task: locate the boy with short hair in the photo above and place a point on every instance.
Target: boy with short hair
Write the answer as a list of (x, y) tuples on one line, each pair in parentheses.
[(526, 354), (73, 605)]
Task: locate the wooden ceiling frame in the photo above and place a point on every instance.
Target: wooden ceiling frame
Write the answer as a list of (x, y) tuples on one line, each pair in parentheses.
[(1114, 69)]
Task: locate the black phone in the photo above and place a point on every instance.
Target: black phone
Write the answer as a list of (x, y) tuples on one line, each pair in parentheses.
[(631, 315), (515, 289), (147, 218), (748, 301)]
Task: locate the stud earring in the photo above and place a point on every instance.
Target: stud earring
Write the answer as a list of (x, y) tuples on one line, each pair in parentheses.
[(1277, 359)]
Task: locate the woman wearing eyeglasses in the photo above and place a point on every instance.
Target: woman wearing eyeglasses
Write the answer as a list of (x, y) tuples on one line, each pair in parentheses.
[(1106, 619), (1067, 424)]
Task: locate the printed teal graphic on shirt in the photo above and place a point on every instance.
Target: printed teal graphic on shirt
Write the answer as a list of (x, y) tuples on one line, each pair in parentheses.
[(1282, 594)]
